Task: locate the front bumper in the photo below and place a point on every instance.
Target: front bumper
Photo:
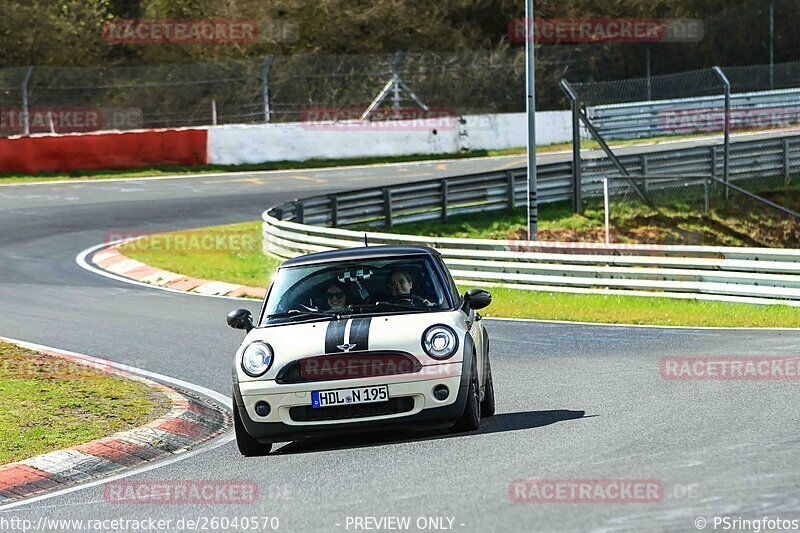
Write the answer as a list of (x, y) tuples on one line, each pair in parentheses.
[(427, 411)]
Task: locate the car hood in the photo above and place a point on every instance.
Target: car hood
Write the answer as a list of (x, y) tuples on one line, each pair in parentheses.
[(291, 342)]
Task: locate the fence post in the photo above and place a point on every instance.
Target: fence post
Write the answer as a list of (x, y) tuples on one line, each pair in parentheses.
[(214, 111), (512, 190), (577, 201), (726, 164), (645, 170), (787, 177), (445, 200), (265, 86), (26, 116), (713, 150), (387, 207), (334, 211), (707, 192)]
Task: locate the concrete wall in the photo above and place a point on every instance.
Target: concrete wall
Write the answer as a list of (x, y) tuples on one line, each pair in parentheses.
[(240, 144)]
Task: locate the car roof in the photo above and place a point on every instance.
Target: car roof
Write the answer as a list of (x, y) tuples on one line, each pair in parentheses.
[(363, 252)]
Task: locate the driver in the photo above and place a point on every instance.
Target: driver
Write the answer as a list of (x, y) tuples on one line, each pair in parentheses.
[(399, 282)]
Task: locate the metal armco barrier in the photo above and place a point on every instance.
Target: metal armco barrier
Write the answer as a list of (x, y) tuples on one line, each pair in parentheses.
[(641, 120), (758, 275)]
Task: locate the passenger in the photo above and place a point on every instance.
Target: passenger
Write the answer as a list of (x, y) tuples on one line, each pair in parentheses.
[(335, 296)]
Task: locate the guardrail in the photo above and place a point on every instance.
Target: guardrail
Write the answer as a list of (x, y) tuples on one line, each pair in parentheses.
[(681, 116), (755, 275)]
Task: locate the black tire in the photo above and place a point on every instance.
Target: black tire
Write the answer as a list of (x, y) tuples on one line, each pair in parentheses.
[(471, 419), (487, 405), (248, 446)]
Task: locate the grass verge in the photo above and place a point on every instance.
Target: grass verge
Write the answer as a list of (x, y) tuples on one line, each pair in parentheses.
[(739, 222), (255, 269), (51, 403)]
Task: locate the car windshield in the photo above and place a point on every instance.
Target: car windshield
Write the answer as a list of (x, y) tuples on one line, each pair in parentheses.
[(399, 285)]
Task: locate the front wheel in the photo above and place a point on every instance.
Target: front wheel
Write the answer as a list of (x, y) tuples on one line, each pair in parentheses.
[(471, 419), (248, 446)]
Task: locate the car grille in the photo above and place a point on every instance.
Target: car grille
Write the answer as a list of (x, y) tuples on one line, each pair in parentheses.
[(352, 365), (306, 413)]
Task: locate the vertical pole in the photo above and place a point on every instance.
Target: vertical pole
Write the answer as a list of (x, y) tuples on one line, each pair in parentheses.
[(530, 68), (787, 170), (214, 111), (605, 208), (396, 84), (648, 72), (771, 45), (265, 86), (577, 200), (51, 123), (726, 163), (707, 195), (26, 116)]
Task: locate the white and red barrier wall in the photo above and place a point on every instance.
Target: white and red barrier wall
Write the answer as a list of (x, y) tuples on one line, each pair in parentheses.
[(240, 144)]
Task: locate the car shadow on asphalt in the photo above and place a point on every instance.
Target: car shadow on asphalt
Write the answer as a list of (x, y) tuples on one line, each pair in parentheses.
[(498, 423)]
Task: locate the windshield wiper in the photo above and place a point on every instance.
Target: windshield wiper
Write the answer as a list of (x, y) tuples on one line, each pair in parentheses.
[(296, 313)]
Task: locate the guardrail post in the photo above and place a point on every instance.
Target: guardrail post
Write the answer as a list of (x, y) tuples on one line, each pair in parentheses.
[(387, 207), (512, 190), (645, 170), (787, 176), (334, 211), (445, 200), (299, 216)]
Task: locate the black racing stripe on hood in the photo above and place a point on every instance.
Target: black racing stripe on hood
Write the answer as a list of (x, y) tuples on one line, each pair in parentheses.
[(359, 333), (334, 335)]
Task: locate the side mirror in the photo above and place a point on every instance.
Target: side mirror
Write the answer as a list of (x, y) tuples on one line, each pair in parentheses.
[(240, 319), (477, 299)]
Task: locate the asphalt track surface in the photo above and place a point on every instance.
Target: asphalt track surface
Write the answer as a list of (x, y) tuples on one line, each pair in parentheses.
[(574, 401)]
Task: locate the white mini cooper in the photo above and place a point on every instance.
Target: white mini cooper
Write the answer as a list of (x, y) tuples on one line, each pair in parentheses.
[(360, 339)]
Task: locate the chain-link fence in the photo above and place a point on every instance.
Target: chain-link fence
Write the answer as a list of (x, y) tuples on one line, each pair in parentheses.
[(268, 89)]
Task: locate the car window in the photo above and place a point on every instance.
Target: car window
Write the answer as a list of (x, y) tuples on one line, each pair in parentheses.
[(355, 288)]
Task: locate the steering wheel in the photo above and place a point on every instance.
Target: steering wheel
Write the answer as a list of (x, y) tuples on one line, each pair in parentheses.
[(410, 298)]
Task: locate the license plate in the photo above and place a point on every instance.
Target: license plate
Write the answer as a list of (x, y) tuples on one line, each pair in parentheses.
[(332, 398)]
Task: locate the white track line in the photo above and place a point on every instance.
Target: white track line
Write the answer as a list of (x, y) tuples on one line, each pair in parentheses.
[(215, 443)]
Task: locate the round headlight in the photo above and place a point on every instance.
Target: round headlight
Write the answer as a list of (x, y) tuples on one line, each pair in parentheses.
[(440, 342), (256, 359)]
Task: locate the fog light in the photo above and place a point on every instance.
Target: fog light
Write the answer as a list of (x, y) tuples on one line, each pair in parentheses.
[(440, 392), (262, 409)]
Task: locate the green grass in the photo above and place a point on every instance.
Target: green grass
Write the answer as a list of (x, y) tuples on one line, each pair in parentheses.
[(236, 261), (49, 404), (740, 222), (612, 309), (255, 269)]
